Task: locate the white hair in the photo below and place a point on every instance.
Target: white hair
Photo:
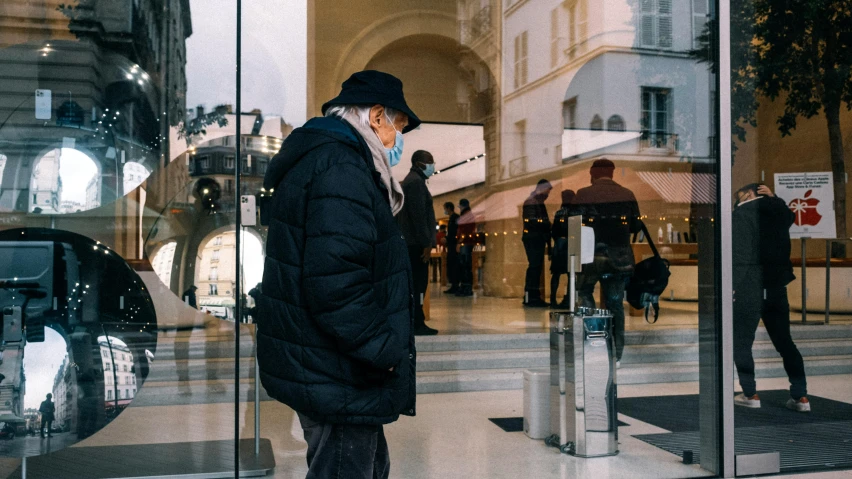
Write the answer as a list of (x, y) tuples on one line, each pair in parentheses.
[(362, 111)]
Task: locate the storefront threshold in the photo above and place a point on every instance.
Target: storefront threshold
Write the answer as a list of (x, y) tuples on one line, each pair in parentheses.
[(195, 460)]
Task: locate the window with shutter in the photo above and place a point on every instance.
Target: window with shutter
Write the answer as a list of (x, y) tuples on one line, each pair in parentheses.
[(656, 23), (664, 22), (649, 18), (572, 28), (554, 38), (524, 62), (517, 69), (699, 20), (583, 20)]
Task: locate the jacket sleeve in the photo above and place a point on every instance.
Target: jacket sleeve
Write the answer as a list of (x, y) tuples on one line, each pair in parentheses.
[(341, 232), (432, 221)]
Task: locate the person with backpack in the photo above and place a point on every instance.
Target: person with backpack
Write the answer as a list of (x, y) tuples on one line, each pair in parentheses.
[(613, 212), (761, 272)]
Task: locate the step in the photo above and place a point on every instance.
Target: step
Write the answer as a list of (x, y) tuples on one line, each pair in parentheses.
[(479, 342), (653, 373), (497, 359)]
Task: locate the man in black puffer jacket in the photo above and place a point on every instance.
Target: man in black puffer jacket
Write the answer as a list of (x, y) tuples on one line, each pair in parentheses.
[(334, 333)]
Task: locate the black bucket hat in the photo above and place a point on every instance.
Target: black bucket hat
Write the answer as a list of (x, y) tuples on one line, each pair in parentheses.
[(371, 87)]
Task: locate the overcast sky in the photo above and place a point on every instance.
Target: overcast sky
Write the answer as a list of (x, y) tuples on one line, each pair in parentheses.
[(274, 56)]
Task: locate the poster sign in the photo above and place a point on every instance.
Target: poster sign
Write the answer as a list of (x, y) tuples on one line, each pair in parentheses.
[(810, 197)]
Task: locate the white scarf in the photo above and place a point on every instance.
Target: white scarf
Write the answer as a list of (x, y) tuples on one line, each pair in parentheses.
[(380, 160)]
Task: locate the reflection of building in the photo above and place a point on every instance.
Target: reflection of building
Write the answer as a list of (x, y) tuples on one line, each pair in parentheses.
[(163, 261), (114, 70), (63, 395), (216, 272), (597, 89), (46, 186), (119, 372)]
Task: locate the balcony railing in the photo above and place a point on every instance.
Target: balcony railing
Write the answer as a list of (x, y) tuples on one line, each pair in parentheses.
[(477, 27), (658, 140)]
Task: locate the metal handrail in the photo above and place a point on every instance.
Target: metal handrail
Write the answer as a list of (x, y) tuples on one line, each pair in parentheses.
[(828, 243)]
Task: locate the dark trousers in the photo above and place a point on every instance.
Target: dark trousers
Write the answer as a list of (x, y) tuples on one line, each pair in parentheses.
[(554, 288), (46, 423), (345, 450), (750, 305), (613, 286), (452, 266), (466, 266), (420, 275), (534, 247)]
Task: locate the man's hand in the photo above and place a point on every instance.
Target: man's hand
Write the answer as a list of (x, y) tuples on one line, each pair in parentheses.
[(427, 255), (764, 190)]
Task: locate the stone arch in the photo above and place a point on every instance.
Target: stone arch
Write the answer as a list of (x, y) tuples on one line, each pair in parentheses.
[(390, 29), (40, 157)]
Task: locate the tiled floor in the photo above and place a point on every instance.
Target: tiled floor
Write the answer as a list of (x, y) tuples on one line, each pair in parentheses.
[(452, 437)]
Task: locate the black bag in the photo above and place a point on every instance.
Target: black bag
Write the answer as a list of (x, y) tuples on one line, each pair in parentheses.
[(650, 278)]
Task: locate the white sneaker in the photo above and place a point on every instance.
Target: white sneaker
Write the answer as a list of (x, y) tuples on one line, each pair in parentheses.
[(618, 365), (802, 405), (743, 400)]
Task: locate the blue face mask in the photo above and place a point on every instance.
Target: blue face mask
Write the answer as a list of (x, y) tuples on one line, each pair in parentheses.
[(395, 153), (429, 170)]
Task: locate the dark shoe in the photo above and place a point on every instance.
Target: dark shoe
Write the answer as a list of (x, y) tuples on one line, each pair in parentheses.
[(536, 303), (423, 330), (452, 290), (464, 291)]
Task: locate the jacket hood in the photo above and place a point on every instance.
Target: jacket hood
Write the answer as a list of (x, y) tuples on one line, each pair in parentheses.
[(315, 133)]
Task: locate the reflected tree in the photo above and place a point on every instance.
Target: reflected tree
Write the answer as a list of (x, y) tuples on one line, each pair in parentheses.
[(799, 53)]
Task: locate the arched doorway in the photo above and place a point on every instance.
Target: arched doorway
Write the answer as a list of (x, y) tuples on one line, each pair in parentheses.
[(64, 180)]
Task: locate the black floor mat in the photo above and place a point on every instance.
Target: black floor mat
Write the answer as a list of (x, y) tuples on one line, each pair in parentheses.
[(802, 447), (680, 413), (516, 424)]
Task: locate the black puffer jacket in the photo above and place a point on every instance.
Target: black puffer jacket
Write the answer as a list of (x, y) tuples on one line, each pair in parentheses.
[(336, 310)]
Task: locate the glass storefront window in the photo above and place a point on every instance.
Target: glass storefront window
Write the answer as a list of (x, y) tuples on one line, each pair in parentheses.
[(136, 229)]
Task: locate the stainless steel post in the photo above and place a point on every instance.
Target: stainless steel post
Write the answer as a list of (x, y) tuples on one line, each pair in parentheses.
[(804, 281), (827, 279), (24, 468), (256, 405)]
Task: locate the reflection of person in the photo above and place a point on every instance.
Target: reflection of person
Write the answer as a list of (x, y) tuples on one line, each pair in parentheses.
[(334, 336), (466, 241), (536, 239), (452, 248), (762, 270), (417, 224), (190, 298), (612, 211), (47, 410), (559, 261), (441, 237)]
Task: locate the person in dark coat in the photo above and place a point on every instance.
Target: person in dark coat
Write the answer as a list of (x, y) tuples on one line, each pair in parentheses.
[(613, 212), (190, 298), (536, 239), (559, 260), (417, 223), (467, 240), (335, 314), (761, 272), (452, 248), (47, 410)]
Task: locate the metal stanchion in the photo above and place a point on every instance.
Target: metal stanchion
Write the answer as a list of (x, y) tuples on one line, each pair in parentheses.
[(804, 281), (828, 244), (256, 403)]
